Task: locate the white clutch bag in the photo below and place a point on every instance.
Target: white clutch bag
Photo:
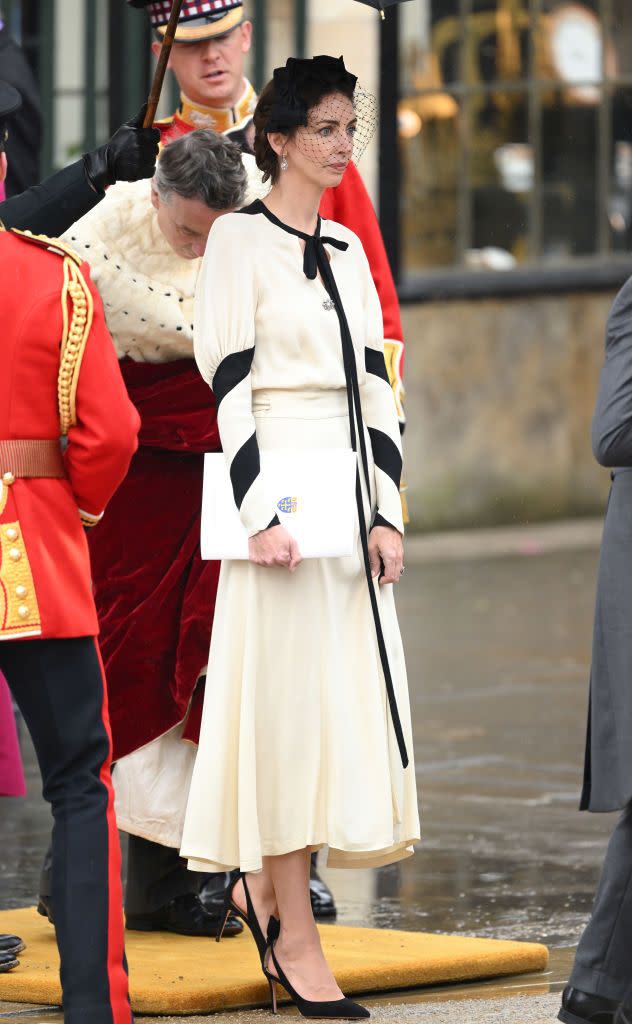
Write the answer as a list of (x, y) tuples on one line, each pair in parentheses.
[(312, 492)]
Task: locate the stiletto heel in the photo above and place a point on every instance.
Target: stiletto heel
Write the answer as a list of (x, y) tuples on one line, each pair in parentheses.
[(227, 913), (273, 995), (249, 917), (333, 1009)]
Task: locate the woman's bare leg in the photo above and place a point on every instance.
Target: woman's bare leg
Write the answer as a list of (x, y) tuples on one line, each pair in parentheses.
[(262, 895), (298, 947)]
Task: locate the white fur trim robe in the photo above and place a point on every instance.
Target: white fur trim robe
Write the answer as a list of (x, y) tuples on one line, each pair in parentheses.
[(146, 287)]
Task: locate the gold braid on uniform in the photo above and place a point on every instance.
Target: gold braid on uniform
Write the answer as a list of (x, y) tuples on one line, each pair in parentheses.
[(77, 312), (77, 309)]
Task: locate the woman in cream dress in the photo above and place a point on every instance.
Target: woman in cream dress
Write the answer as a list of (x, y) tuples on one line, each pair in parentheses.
[(306, 735)]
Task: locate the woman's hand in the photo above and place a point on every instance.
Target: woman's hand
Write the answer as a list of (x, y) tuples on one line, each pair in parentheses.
[(274, 547), (386, 547)]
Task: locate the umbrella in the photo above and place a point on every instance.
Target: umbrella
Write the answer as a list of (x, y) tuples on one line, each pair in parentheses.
[(379, 5)]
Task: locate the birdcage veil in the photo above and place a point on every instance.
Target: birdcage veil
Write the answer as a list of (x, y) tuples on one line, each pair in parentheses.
[(321, 103)]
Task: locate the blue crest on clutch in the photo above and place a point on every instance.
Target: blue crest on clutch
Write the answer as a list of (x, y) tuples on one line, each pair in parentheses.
[(288, 505)]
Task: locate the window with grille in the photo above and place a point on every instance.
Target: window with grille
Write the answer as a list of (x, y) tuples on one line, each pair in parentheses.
[(515, 133)]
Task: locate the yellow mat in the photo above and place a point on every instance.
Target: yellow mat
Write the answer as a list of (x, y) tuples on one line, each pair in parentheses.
[(173, 974)]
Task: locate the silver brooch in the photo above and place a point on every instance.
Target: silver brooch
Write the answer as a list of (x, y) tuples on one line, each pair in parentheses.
[(329, 304)]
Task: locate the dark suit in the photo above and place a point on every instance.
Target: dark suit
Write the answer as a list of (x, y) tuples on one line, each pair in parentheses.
[(25, 140), (608, 772), (602, 964), (50, 208)]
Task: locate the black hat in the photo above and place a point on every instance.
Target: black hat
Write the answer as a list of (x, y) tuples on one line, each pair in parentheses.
[(10, 100), (198, 20)]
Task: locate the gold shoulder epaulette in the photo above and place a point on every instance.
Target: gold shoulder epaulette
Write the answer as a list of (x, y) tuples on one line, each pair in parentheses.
[(51, 244), (77, 311)]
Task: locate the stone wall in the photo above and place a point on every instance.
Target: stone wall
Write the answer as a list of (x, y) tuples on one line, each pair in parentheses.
[(500, 396)]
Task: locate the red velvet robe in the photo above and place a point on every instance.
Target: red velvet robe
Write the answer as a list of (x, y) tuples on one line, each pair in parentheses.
[(154, 595)]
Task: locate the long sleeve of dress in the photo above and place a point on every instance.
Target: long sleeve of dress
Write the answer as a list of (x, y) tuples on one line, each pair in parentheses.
[(379, 411), (224, 347)]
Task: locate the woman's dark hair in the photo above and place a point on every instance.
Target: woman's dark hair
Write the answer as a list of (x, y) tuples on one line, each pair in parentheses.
[(312, 90)]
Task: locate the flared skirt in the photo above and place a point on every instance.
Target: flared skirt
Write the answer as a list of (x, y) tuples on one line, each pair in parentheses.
[(297, 748)]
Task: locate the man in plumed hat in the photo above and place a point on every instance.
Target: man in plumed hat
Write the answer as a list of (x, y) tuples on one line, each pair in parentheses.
[(25, 140), (60, 377), (11, 777)]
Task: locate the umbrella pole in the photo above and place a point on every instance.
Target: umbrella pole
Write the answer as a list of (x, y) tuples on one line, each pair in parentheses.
[(161, 67)]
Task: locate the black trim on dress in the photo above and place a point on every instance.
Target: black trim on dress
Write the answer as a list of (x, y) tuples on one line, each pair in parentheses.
[(376, 364), (231, 371), (245, 468), (316, 260), (381, 521), (386, 455)]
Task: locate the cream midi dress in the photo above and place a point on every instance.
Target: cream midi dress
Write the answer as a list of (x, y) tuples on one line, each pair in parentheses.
[(297, 747)]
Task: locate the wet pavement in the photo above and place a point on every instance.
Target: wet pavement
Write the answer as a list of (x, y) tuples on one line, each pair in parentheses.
[(499, 655), (498, 651)]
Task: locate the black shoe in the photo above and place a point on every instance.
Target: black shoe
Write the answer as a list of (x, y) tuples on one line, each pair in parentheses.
[(7, 962), (332, 1009), (249, 917), (44, 907), (321, 896), (11, 944), (213, 890), (184, 915), (586, 1008)]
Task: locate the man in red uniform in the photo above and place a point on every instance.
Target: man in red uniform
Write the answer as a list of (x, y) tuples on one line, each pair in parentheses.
[(60, 376)]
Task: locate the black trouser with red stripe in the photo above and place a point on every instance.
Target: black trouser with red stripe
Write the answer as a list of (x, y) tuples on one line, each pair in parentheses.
[(59, 688)]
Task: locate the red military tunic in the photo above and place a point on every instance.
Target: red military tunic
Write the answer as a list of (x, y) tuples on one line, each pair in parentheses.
[(46, 298)]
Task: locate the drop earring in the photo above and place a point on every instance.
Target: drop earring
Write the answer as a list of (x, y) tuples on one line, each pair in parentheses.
[(284, 163)]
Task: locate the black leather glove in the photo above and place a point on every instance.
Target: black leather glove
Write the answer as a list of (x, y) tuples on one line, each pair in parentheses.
[(128, 156)]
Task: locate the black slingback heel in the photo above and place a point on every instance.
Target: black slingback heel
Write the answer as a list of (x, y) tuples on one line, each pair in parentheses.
[(249, 917), (333, 1009)]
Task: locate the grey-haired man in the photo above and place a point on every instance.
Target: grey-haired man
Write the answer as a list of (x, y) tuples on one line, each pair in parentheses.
[(152, 590)]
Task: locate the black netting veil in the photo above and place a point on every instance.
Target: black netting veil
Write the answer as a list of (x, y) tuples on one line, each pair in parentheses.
[(330, 116)]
